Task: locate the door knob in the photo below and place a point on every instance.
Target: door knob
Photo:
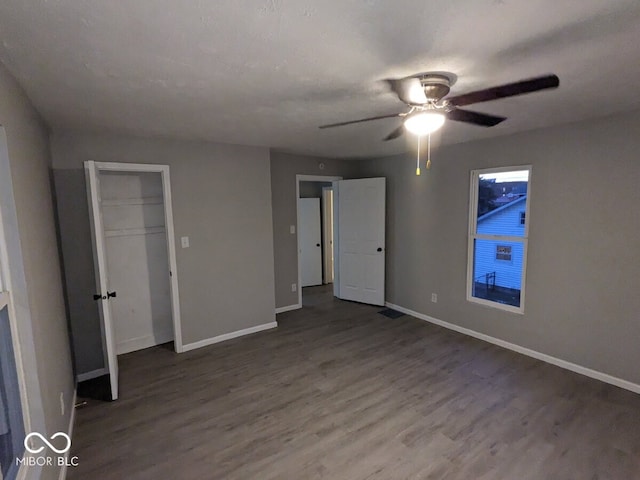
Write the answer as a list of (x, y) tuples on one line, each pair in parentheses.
[(317, 244), (97, 296), (111, 294), (379, 249)]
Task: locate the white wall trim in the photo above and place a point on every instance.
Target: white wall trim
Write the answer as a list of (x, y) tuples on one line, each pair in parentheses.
[(288, 308), (81, 377), (228, 336), (72, 420), (603, 377)]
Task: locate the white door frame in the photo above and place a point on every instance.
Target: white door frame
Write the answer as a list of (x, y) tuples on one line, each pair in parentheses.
[(306, 178), (163, 170), (327, 236)]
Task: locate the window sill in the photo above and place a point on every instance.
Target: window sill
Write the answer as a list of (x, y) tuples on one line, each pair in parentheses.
[(498, 306)]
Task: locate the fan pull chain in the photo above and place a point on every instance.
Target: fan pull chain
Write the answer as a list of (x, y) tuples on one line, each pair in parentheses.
[(418, 161), (429, 152)]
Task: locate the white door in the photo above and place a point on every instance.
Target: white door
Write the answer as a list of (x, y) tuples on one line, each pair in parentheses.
[(310, 241), (133, 219), (102, 287), (361, 239)]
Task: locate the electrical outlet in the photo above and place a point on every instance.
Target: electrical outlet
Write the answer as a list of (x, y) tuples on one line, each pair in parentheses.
[(184, 241), (434, 297), (294, 287), (61, 403), (292, 229)]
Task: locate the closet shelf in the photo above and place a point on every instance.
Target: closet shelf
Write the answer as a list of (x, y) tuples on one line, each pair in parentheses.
[(127, 232), (118, 202)]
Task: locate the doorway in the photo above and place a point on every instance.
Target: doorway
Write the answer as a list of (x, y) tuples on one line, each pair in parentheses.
[(134, 254), (357, 238), (132, 209), (315, 231)]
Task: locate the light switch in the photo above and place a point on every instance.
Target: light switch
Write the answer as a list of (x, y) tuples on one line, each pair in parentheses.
[(292, 229), (185, 242)]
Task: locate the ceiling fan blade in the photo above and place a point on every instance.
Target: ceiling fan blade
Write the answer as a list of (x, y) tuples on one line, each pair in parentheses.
[(340, 124), (409, 90), (481, 119), (395, 134), (509, 90)]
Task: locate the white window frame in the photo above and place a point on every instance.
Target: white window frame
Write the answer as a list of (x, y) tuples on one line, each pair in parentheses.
[(473, 236), (6, 301), (21, 348), (4, 271)]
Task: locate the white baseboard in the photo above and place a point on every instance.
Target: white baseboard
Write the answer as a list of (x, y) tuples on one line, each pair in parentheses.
[(72, 420), (229, 336), (288, 308), (81, 377), (604, 377)]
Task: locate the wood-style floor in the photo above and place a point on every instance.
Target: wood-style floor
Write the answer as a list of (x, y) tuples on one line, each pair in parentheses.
[(339, 391)]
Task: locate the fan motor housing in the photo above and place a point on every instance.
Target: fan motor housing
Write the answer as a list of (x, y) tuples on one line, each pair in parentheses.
[(435, 86)]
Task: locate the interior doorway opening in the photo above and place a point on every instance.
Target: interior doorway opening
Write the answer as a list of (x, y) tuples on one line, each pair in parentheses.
[(315, 219), (355, 238), (132, 208)]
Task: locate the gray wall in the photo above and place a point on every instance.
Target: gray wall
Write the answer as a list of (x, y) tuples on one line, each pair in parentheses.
[(221, 200), (582, 298), (36, 275), (284, 168)]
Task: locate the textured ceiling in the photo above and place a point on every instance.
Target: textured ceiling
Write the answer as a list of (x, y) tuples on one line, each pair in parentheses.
[(269, 72)]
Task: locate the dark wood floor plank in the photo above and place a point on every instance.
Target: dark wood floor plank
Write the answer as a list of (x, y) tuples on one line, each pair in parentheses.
[(338, 391)]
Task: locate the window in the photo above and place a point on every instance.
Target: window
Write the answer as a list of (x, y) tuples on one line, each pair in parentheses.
[(12, 430), (11, 423), (498, 237), (503, 252)]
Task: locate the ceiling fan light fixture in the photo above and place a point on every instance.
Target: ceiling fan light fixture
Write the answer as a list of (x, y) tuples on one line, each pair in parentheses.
[(424, 123)]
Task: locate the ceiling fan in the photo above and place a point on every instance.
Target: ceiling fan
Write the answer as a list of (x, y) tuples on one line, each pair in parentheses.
[(428, 107)]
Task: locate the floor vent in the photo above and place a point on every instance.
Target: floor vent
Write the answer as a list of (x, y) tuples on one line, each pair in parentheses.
[(388, 312)]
